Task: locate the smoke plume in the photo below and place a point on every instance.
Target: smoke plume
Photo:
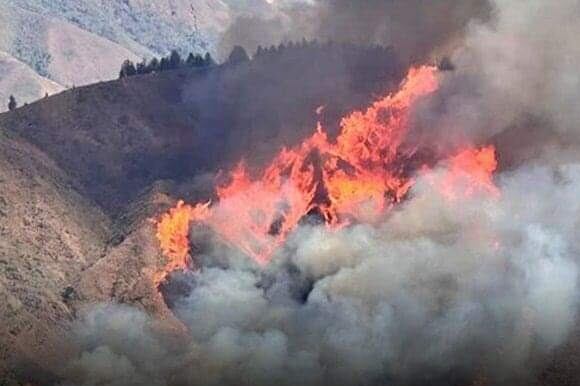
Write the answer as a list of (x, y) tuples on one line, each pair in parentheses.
[(414, 28), (438, 292), (517, 74)]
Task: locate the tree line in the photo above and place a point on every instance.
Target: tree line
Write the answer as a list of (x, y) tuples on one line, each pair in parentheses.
[(315, 44), (172, 61), (238, 55)]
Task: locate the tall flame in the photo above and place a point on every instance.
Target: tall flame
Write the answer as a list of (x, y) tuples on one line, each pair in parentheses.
[(357, 177)]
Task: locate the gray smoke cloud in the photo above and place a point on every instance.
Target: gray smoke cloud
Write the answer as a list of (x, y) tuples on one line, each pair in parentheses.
[(515, 75), (439, 292), (415, 28)]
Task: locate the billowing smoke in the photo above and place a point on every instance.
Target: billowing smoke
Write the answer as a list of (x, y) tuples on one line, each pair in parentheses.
[(516, 78), (437, 292), (415, 28), (440, 291)]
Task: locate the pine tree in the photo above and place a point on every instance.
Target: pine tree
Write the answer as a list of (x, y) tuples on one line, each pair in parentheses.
[(190, 61), (199, 61), (127, 69), (208, 60), (163, 64), (153, 66), (174, 60), (238, 55), (142, 67), (196, 61), (12, 103)]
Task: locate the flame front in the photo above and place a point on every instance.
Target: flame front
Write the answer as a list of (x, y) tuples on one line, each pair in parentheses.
[(357, 177)]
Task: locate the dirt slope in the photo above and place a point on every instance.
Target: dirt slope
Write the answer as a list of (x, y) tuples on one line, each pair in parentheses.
[(59, 253), (48, 235)]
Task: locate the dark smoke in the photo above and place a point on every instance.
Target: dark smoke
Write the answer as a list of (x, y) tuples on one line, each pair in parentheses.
[(415, 28)]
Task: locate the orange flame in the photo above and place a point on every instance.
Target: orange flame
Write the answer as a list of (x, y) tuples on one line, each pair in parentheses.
[(172, 233), (355, 178), (469, 172)]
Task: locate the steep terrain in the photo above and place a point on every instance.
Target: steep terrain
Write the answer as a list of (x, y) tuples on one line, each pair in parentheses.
[(60, 253), (49, 234), (52, 54), (76, 175), (21, 81), (80, 171), (76, 43), (139, 25), (117, 138)]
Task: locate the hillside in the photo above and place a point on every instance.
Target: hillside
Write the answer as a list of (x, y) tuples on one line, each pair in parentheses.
[(72, 42), (86, 161), (55, 49), (140, 26), (49, 234), (23, 82), (83, 172), (117, 138), (60, 253)]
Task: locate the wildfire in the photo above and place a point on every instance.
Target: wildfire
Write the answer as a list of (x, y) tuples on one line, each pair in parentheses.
[(475, 168), (357, 177)]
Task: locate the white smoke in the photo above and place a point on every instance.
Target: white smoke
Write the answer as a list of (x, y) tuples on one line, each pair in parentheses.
[(440, 287), (518, 70)]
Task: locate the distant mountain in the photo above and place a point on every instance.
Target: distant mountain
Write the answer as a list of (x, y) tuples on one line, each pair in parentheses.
[(22, 81), (78, 42), (144, 27)]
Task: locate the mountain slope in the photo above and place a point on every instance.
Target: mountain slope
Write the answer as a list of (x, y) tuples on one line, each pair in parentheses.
[(23, 82), (108, 142), (117, 138), (72, 49), (80, 42), (136, 25), (49, 234), (60, 53)]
